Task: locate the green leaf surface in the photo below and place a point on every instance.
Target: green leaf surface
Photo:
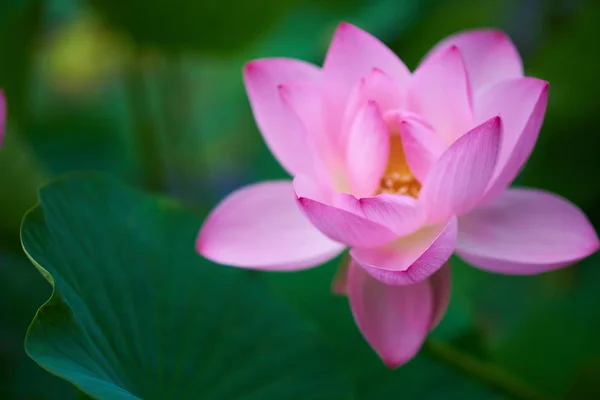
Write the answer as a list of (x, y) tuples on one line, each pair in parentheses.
[(559, 335), (136, 313)]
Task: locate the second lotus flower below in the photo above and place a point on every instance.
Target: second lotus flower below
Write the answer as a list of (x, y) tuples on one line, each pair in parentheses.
[(404, 169)]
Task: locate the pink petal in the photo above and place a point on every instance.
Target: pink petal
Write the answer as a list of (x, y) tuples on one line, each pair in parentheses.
[(394, 320), (526, 231), (401, 214), (490, 56), (440, 287), (2, 116), (260, 226), (306, 102), (352, 54), (281, 129), (375, 86), (422, 145), (440, 92), (458, 180), (368, 150), (521, 103), (412, 258), (343, 225)]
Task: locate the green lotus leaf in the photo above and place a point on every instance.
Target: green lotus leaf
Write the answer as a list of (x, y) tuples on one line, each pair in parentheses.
[(137, 314)]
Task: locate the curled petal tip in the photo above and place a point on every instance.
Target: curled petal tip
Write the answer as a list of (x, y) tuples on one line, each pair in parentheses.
[(392, 364), (198, 245), (546, 85), (255, 66), (497, 34), (249, 67), (345, 25), (200, 242), (594, 245)]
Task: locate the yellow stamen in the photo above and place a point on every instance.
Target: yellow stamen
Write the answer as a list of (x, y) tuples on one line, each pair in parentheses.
[(398, 178)]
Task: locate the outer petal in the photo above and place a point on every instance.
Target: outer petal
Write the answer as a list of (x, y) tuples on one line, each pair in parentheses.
[(393, 319), (281, 129), (2, 116), (367, 150), (306, 102), (490, 56), (521, 103), (440, 286), (440, 92), (525, 231), (352, 54), (343, 225), (457, 182), (410, 259), (261, 227)]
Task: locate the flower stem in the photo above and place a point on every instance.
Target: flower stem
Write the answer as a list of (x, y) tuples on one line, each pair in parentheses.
[(485, 372)]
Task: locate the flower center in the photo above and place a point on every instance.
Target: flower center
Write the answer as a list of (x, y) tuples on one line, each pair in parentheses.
[(398, 178)]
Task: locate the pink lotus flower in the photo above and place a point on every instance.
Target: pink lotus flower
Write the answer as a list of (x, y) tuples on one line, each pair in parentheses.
[(404, 169)]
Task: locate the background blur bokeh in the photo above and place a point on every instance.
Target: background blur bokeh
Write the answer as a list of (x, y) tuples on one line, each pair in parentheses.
[(150, 92)]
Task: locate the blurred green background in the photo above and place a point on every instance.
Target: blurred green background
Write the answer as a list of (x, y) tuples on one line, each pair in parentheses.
[(150, 92)]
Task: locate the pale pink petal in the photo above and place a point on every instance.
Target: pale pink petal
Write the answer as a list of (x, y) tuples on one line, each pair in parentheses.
[(440, 286), (422, 145), (313, 190), (412, 258), (367, 150), (394, 320), (281, 129), (521, 103), (401, 214), (375, 86), (440, 92), (458, 180), (261, 227), (525, 231), (489, 54), (340, 224), (353, 53), (306, 102), (2, 116)]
